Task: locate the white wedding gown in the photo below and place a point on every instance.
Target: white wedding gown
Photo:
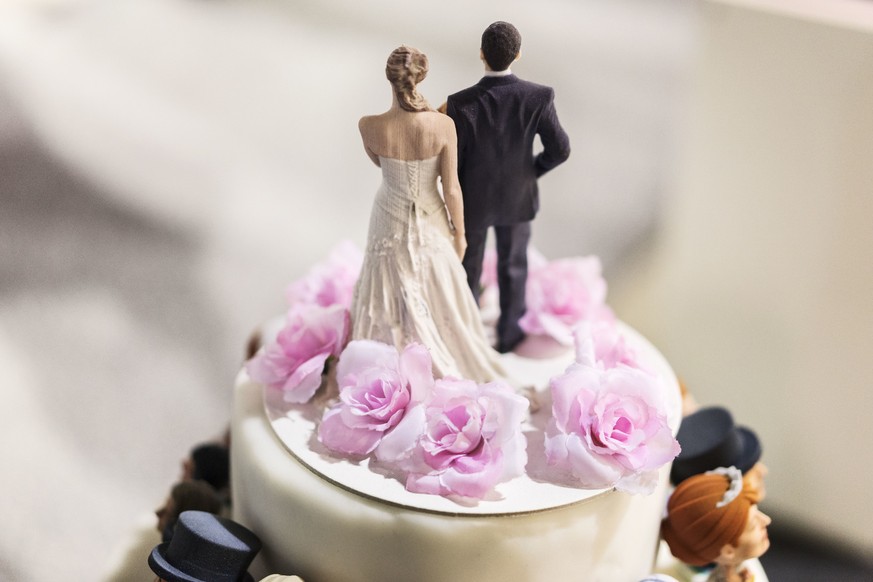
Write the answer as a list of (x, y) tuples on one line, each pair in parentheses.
[(412, 286)]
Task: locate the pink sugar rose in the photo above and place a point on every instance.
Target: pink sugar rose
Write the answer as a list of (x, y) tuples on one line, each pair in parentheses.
[(464, 440), (563, 294), (294, 362), (610, 348), (376, 386), (331, 282), (609, 427)]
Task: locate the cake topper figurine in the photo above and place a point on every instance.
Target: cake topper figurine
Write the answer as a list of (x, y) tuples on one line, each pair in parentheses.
[(209, 462), (205, 548), (496, 121), (185, 496), (714, 518), (412, 287), (710, 439)]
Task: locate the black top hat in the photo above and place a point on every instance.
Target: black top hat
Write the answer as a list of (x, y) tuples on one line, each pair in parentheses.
[(709, 439), (205, 548)]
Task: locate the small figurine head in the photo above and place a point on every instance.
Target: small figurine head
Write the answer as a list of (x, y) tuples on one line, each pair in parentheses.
[(208, 462), (405, 69), (714, 517), (205, 547), (710, 439), (184, 496), (501, 45)]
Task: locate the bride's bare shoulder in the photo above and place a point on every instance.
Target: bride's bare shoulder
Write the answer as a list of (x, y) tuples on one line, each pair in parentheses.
[(443, 124), (367, 121), (435, 116), (435, 120)]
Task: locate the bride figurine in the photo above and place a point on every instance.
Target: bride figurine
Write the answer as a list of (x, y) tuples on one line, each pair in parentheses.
[(412, 286)]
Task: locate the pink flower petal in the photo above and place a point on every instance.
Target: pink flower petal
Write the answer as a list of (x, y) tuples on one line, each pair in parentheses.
[(608, 426), (337, 436), (376, 393), (416, 366), (464, 440), (305, 380), (331, 282)]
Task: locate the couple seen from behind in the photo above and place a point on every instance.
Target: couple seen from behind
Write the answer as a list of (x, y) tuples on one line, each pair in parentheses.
[(423, 259)]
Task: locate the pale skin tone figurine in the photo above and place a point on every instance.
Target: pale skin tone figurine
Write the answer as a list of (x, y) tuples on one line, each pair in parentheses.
[(419, 135), (166, 512), (714, 518), (412, 287), (752, 543)]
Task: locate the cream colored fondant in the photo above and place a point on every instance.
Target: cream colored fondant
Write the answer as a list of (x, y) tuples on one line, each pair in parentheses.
[(324, 530)]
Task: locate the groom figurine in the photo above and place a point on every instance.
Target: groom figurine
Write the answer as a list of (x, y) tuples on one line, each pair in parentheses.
[(496, 121)]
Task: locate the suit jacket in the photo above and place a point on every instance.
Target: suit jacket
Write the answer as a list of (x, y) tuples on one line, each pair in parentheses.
[(496, 121)]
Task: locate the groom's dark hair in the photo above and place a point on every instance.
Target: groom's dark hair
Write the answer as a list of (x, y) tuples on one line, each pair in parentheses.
[(501, 43)]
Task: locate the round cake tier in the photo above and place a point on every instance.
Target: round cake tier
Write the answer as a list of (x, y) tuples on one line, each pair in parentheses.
[(329, 519)]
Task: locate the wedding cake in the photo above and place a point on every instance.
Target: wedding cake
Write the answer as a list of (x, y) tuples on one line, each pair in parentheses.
[(352, 462)]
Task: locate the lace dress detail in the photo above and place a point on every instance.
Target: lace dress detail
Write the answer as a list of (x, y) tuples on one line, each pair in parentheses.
[(412, 286)]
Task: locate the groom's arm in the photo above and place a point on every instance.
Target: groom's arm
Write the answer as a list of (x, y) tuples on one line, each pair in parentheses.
[(556, 143)]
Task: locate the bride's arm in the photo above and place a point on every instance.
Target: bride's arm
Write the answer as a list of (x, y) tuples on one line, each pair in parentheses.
[(451, 186), (366, 129)]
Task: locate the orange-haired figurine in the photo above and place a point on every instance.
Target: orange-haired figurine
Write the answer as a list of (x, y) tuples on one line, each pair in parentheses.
[(714, 518)]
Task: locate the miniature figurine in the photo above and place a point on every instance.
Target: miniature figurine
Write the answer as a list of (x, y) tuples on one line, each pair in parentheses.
[(710, 439), (714, 518), (412, 286), (209, 462), (184, 496), (253, 344), (496, 121), (205, 548)]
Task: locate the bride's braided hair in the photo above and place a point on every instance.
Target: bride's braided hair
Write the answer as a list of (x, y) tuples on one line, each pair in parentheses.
[(406, 68)]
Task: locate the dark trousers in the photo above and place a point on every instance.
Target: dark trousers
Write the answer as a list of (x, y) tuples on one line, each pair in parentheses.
[(512, 242)]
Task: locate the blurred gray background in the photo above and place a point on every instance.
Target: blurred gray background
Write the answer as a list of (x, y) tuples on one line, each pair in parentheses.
[(168, 166)]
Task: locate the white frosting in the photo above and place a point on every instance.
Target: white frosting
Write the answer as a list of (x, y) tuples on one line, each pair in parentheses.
[(325, 529)]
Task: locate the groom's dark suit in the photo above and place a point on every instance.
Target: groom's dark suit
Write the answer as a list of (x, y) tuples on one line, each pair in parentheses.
[(496, 121)]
